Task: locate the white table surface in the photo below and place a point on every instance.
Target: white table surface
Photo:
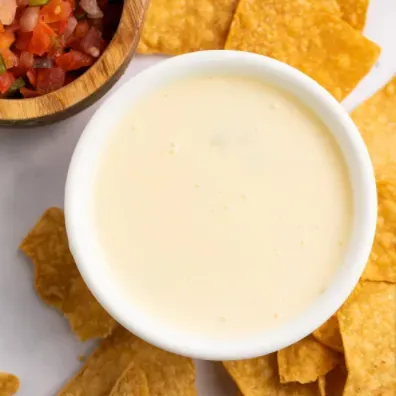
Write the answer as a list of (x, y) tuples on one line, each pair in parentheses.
[(35, 341)]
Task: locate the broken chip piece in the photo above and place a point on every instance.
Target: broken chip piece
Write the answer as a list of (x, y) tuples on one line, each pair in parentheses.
[(259, 377), (9, 384), (155, 372), (367, 324), (58, 281), (173, 27), (329, 334), (306, 361), (318, 43)]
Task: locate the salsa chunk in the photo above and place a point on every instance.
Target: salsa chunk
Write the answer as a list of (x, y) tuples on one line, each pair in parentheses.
[(46, 44)]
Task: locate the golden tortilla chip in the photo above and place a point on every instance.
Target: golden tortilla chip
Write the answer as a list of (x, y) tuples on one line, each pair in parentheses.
[(155, 372), (133, 382), (48, 248), (376, 120), (259, 377), (381, 265), (86, 316), (104, 366), (305, 361), (9, 384), (368, 329), (354, 12), (329, 334), (108, 369), (57, 280), (335, 381), (318, 43), (175, 27)]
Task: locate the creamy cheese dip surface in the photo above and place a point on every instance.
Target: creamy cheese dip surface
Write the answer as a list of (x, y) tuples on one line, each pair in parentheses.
[(223, 206)]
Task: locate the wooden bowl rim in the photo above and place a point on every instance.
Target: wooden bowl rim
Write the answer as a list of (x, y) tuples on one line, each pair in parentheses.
[(22, 110)]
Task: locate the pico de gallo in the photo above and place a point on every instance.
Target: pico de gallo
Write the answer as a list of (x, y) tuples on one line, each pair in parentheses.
[(46, 44)]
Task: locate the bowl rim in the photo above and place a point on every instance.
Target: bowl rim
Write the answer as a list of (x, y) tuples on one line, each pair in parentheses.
[(87, 88), (86, 250)]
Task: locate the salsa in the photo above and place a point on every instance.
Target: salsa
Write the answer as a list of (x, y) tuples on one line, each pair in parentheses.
[(46, 44)]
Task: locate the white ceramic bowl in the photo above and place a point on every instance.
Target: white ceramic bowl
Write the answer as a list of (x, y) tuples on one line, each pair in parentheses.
[(97, 273)]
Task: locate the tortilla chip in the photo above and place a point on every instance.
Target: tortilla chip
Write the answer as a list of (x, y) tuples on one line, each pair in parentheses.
[(305, 361), (108, 369), (335, 381), (57, 280), (367, 324), (133, 382), (104, 366), (354, 12), (48, 248), (381, 265), (175, 27), (329, 334), (155, 372), (259, 377), (376, 120), (318, 43), (86, 316), (322, 386), (9, 384)]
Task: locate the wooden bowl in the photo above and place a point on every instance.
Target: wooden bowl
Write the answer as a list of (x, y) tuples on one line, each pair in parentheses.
[(90, 86)]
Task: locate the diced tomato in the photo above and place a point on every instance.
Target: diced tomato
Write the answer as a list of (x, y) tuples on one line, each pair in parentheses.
[(32, 76), (74, 60), (56, 10), (2, 30), (6, 39), (74, 43), (72, 4), (29, 93), (41, 39), (17, 71), (9, 58), (23, 40), (92, 44), (58, 27), (81, 29), (6, 80), (26, 60), (48, 80)]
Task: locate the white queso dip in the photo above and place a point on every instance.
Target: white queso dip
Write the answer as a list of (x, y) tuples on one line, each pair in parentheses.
[(222, 205)]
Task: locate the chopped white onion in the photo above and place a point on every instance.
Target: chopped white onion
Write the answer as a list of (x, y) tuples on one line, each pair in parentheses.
[(29, 19), (7, 11), (91, 8), (70, 27)]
